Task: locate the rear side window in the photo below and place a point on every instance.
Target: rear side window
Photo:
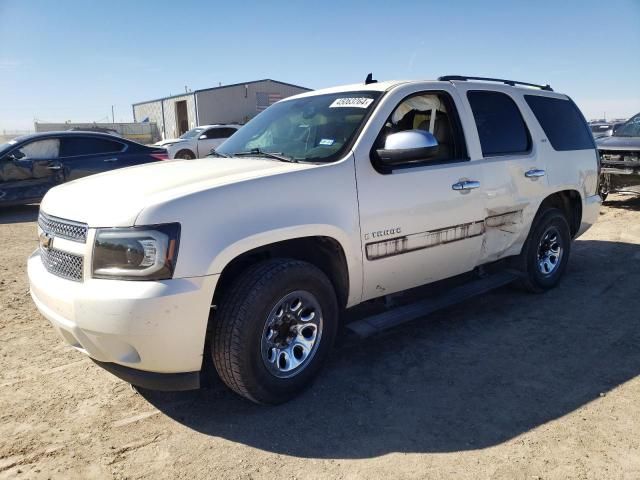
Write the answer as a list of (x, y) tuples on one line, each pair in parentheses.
[(220, 132), (562, 122), (501, 128), (74, 146)]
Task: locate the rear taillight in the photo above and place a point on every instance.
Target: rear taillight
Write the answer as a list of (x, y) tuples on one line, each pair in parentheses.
[(160, 156)]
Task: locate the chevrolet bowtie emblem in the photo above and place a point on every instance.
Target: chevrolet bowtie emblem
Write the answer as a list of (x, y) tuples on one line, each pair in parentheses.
[(46, 241)]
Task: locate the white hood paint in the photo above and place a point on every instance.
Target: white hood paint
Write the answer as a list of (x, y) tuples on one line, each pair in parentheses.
[(116, 198), (170, 141)]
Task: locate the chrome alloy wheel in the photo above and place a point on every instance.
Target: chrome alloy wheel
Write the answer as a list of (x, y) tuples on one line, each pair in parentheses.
[(549, 251), (291, 334)]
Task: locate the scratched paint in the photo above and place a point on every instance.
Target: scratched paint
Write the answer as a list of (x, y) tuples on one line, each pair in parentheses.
[(419, 241)]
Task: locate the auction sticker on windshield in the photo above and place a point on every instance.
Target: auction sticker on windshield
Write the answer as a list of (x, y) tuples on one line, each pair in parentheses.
[(357, 102)]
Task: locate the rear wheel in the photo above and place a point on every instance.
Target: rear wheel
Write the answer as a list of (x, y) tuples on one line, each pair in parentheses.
[(185, 155), (545, 254), (274, 329)]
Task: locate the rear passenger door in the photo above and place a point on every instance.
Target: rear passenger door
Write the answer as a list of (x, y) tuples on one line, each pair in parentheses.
[(86, 155), (514, 170)]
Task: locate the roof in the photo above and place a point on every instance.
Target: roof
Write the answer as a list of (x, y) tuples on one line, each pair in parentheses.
[(389, 84), (69, 133), (220, 88)]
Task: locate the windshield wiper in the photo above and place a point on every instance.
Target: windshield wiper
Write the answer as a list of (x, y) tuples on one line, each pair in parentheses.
[(213, 153), (261, 153)]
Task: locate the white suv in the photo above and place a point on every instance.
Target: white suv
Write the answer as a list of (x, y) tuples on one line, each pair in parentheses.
[(197, 142), (325, 200)]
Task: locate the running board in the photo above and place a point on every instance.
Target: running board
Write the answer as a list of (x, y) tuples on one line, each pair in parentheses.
[(406, 313)]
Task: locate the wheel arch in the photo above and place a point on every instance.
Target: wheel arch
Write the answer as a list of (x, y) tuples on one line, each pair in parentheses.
[(323, 251), (569, 202), (186, 149)]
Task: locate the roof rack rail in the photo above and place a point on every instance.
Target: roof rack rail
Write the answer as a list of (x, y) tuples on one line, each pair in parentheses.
[(513, 83)]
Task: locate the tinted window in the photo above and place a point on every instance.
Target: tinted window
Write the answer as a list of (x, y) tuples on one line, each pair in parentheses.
[(75, 146), (220, 133), (501, 127), (562, 122)]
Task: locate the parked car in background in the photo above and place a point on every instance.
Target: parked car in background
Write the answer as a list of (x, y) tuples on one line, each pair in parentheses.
[(620, 159), (198, 142), (604, 129), (32, 164), (323, 201)]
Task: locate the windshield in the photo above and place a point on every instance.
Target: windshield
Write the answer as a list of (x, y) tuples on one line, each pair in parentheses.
[(630, 129), (309, 129), (194, 132)]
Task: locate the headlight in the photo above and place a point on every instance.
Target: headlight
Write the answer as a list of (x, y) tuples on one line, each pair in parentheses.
[(136, 253)]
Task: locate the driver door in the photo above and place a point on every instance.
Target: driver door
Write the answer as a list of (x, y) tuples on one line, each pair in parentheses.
[(421, 222), (30, 170)]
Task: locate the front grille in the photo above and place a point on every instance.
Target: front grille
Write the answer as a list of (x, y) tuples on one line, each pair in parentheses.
[(62, 264), (59, 227), (620, 158)]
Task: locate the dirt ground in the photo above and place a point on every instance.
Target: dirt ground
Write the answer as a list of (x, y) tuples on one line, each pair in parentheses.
[(508, 385)]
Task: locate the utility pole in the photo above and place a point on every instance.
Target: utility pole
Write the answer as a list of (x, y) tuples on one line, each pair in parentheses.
[(113, 117)]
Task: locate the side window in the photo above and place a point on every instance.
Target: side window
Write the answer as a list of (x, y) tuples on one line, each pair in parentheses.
[(215, 133), (501, 128), (434, 112), (46, 149), (562, 122), (75, 146)]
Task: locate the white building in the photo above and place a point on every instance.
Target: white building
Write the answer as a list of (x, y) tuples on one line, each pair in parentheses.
[(235, 103)]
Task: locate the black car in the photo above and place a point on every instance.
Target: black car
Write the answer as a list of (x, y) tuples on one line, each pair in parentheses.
[(32, 164), (620, 159)]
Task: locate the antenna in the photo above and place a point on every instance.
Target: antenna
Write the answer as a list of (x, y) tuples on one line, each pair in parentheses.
[(370, 79)]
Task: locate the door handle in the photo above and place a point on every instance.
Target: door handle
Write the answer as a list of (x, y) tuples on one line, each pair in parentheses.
[(535, 173), (465, 185), (54, 167), (111, 160)]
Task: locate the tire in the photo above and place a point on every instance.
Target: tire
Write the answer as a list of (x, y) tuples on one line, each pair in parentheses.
[(550, 237), (256, 344), (185, 155)]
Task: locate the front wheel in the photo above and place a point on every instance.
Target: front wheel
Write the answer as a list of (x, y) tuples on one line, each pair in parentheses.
[(274, 329), (545, 254), (185, 155)]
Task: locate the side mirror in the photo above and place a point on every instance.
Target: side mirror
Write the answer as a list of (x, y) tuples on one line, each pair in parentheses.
[(202, 137), (408, 146), (15, 155)]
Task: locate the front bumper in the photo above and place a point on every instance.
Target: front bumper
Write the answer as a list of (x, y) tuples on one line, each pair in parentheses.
[(149, 326)]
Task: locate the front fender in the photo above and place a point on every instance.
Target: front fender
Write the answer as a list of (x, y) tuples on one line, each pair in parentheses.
[(234, 250)]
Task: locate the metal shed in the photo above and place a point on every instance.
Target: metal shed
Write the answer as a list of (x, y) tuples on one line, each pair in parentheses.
[(235, 103)]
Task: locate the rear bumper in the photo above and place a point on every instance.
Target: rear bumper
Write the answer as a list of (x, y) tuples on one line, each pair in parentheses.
[(590, 213)]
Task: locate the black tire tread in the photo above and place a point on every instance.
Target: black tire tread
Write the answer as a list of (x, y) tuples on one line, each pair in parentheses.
[(226, 343)]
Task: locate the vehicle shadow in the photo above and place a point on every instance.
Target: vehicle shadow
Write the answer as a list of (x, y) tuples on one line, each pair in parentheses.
[(468, 377), (19, 214), (625, 202)]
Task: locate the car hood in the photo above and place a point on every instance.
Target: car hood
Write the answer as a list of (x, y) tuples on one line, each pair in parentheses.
[(116, 198), (618, 143), (170, 141)]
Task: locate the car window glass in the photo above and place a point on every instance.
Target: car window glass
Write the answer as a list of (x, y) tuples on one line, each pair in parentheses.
[(562, 122), (74, 146), (45, 149), (433, 112), (500, 125), (215, 133), (313, 128)]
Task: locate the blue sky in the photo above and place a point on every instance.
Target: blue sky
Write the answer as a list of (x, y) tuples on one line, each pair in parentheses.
[(71, 60)]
